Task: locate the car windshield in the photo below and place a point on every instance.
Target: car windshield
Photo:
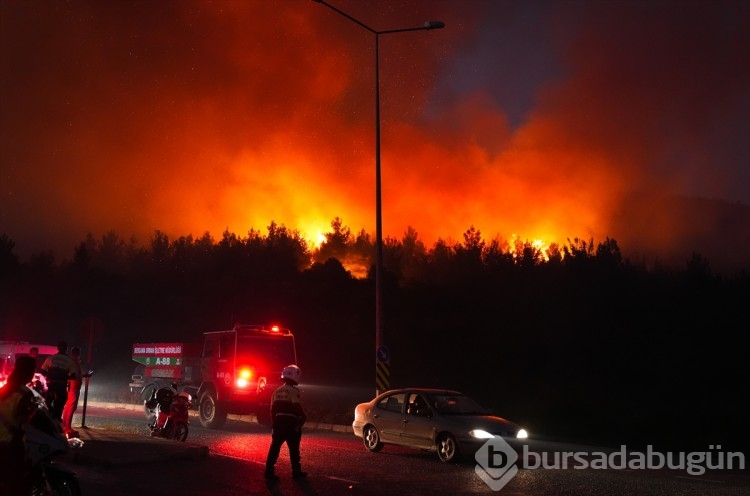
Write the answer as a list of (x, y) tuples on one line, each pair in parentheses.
[(456, 404)]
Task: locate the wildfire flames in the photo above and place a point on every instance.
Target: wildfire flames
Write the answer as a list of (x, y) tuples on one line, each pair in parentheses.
[(230, 115)]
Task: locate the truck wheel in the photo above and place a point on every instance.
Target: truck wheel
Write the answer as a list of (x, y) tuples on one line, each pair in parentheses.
[(150, 413), (212, 415), (148, 391)]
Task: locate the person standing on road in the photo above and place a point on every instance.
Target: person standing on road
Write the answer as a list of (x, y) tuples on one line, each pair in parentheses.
[(16, 406), (74, 392), (58, 368), (288, 418)]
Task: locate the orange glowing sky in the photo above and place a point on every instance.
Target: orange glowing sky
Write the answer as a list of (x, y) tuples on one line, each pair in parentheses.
[(543, 119)]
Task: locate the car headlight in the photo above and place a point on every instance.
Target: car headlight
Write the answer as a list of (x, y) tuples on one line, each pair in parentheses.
[(522, 434), (480, 434)]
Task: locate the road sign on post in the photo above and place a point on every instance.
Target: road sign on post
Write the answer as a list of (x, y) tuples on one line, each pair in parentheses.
[(383, 370)]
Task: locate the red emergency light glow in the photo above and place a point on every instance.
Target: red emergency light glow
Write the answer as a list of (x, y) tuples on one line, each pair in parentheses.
[(275, 328), (243, 379)]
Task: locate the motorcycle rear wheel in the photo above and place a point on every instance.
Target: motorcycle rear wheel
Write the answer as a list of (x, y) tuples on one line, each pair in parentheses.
[(180, 431), (56, 483)]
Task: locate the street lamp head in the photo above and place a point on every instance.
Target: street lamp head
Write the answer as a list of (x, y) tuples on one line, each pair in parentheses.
[(434, 25)]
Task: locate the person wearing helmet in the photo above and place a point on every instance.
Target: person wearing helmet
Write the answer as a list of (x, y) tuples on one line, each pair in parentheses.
[(288, 417)]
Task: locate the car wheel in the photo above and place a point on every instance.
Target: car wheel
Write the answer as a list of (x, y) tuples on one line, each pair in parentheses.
[(371, 438), (447, 448)]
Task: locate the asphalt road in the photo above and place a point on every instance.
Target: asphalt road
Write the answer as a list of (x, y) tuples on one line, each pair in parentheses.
[(338, 463)]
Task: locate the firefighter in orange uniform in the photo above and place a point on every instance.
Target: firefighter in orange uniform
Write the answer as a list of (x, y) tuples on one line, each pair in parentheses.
[(288, 417), (74, 393)]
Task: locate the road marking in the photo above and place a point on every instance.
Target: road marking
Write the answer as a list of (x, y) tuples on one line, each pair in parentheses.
[(239, 458), (342, 480)]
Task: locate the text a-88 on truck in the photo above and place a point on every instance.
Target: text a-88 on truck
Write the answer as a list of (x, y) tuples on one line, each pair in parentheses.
[(231, 372)]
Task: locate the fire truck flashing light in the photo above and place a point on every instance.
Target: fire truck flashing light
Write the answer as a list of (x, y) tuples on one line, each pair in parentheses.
[(244, 378)]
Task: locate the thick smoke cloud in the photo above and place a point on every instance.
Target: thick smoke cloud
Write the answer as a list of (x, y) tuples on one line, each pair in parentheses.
[(547, 120)]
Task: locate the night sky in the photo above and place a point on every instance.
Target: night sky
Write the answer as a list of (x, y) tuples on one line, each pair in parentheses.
[(539, 119)]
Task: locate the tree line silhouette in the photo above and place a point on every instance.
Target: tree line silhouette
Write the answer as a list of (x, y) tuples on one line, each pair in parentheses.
[(574, 340)]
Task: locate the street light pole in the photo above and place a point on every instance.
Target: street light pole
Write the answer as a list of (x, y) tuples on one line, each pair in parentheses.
[(382, 359)]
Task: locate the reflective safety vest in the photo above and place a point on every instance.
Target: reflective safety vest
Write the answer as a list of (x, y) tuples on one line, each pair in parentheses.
[(59, 368), (285, 401)]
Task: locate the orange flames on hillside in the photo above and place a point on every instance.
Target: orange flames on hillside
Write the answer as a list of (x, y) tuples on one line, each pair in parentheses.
[(245, 126)]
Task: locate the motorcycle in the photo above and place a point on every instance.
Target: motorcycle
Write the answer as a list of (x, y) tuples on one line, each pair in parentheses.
[(168, 411), (44, 440)]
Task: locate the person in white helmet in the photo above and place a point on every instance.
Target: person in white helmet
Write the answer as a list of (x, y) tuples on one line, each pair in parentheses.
[(288, 417)]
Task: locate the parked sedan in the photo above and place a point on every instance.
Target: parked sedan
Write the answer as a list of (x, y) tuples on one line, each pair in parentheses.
[(437, 420)]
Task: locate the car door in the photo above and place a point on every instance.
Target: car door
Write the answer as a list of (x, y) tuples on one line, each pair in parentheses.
[(418, 426), (388, 417)]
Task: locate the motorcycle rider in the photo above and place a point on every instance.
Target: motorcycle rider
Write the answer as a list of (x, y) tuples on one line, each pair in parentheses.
[(16, 406), (38, 382), (288, 417), (58, 368), (34, 353)]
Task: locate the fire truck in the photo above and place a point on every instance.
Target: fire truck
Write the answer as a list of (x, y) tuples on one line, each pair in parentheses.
[(10, 350), (232, 371)]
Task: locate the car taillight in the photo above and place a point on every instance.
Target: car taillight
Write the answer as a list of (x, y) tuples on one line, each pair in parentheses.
[(244, 377)]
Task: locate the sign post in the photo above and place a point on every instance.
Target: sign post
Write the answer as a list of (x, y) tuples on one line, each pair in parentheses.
[(93, 330)]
